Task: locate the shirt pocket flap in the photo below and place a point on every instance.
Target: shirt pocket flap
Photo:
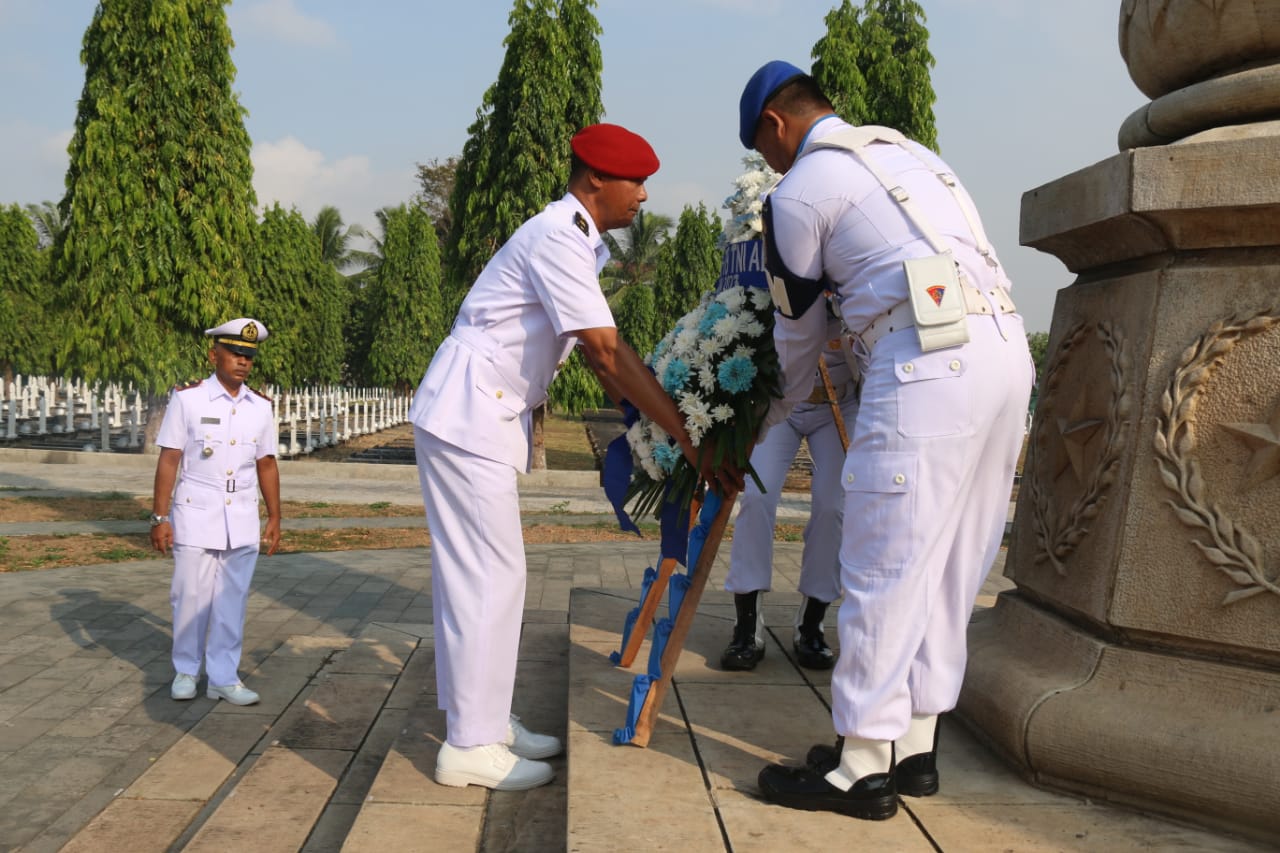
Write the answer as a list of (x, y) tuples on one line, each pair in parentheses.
[(934, 365), (491, 384), (886, 473)]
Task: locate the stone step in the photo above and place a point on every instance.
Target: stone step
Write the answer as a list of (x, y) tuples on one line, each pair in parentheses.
[(404, 806), (277, 776)]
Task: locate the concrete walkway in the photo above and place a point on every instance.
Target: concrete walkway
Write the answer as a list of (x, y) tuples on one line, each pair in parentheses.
[(95, 756)]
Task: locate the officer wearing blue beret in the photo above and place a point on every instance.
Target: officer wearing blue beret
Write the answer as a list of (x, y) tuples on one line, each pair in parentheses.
[(885, 227), (217, 450)]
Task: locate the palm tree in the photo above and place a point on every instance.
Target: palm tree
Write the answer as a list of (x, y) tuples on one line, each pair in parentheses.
[(335, 240), (48, 221), (634, 262)]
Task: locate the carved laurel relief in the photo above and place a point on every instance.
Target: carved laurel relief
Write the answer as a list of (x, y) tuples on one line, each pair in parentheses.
[(1059, 534), (1230, 548)]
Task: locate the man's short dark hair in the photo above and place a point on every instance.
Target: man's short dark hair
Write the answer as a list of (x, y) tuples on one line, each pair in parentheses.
[(801, 95)]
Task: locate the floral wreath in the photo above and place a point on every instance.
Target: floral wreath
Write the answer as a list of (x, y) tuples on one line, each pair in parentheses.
[(720, 367)]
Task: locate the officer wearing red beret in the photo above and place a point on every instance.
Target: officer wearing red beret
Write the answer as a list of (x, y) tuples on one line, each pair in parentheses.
[(536, 299)]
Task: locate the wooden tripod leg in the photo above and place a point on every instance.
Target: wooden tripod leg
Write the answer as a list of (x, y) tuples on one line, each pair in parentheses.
[(648, 608), (684, 620)]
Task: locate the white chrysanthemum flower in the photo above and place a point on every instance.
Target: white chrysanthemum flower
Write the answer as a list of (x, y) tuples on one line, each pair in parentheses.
[(707, 378), (687, 341), (722, 413), (744, 351), (732, 298), (760, 299), (728, 328), (753, 328)]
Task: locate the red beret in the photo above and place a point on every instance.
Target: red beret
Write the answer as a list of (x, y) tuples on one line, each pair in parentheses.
[(616, 151)]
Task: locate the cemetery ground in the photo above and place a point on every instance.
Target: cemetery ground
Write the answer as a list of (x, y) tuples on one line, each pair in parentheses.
[(568, 448)]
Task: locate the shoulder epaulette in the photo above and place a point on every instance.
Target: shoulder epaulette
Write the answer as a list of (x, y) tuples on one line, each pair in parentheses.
[(580, 222), (189, 385), (259, 393)]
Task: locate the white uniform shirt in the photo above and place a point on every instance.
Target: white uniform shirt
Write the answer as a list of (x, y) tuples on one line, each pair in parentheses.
[(832, 217), (215, 503), (512, 333)]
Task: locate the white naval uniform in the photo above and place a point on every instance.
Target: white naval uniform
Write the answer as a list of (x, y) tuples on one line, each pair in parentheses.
[(473, 431), (214, 513), (933, 450), (751, 555)]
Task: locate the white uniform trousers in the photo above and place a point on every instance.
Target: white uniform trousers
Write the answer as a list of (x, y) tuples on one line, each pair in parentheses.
[(209, 592), (477, 586), (751, 555), (927, 483)]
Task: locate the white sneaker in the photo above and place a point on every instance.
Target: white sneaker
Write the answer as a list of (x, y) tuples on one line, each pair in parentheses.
[(527, 744), (490, 766), (236, 694), (184, 686)]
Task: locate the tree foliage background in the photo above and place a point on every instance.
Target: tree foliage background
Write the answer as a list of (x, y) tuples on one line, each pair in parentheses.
[(301, 300), (874, 64), (159, 204)]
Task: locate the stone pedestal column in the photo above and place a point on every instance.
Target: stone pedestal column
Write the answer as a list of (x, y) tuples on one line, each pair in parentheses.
[(1138, 660)]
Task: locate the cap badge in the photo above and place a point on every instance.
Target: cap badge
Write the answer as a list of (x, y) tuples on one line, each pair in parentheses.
[(936, 293), (581, 222), (249, 332)]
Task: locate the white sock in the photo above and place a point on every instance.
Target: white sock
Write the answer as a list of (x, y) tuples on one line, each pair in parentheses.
[(760, 618), (919, 736), (860, 758)]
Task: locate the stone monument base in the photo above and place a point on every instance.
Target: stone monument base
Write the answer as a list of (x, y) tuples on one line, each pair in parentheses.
[(1194, 739)]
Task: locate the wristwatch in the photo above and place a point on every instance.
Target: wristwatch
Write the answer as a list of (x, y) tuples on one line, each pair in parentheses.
[(157, 520)]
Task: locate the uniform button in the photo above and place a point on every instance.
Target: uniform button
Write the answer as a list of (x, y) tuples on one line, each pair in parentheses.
[(498, 394), (230, 472), (233, 441), (848, 478), (233, 411), (207, 435), (908, 367), (899, 479), (228, 501), (955, 364)]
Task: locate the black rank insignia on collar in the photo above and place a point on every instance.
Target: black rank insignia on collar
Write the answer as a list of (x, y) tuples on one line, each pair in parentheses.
[(581, 222)]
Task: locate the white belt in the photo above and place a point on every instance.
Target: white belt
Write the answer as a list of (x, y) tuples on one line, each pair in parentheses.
[(900, 316)]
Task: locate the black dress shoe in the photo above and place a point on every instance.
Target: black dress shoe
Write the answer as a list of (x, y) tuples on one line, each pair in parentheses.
[(812, 651), (742, 654), (915, 776), (873, 797)]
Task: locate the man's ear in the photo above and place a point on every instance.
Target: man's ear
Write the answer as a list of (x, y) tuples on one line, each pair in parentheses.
[(773, 124)]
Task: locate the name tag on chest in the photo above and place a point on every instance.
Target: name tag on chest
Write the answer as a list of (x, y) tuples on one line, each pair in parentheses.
[(211, 420)]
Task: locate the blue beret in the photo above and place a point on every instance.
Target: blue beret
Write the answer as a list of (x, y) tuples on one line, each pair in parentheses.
[(614, 150), (762, 86)]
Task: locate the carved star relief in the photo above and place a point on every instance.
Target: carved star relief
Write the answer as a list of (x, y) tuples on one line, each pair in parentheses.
[(1264, 441), (1077, 429)]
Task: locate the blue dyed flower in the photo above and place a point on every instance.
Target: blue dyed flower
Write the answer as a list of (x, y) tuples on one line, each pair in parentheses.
[(675, 376), (736, 374), (666, 457), (714, 313)]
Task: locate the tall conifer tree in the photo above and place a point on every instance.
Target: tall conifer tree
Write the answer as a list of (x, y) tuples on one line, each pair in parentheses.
[(405, 297), (874, 64), (159, 199), (301, 299)]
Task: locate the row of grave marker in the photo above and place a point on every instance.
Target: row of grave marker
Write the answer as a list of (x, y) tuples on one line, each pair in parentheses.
[(73, 414)]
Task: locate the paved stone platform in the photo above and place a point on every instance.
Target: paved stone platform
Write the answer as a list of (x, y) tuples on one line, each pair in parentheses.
[(95, 756)]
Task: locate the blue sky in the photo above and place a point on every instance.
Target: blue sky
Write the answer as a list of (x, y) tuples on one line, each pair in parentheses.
[(344, 99)]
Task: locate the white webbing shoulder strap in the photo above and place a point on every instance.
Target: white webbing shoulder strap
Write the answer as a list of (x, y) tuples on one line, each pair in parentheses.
[(854, 139)]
